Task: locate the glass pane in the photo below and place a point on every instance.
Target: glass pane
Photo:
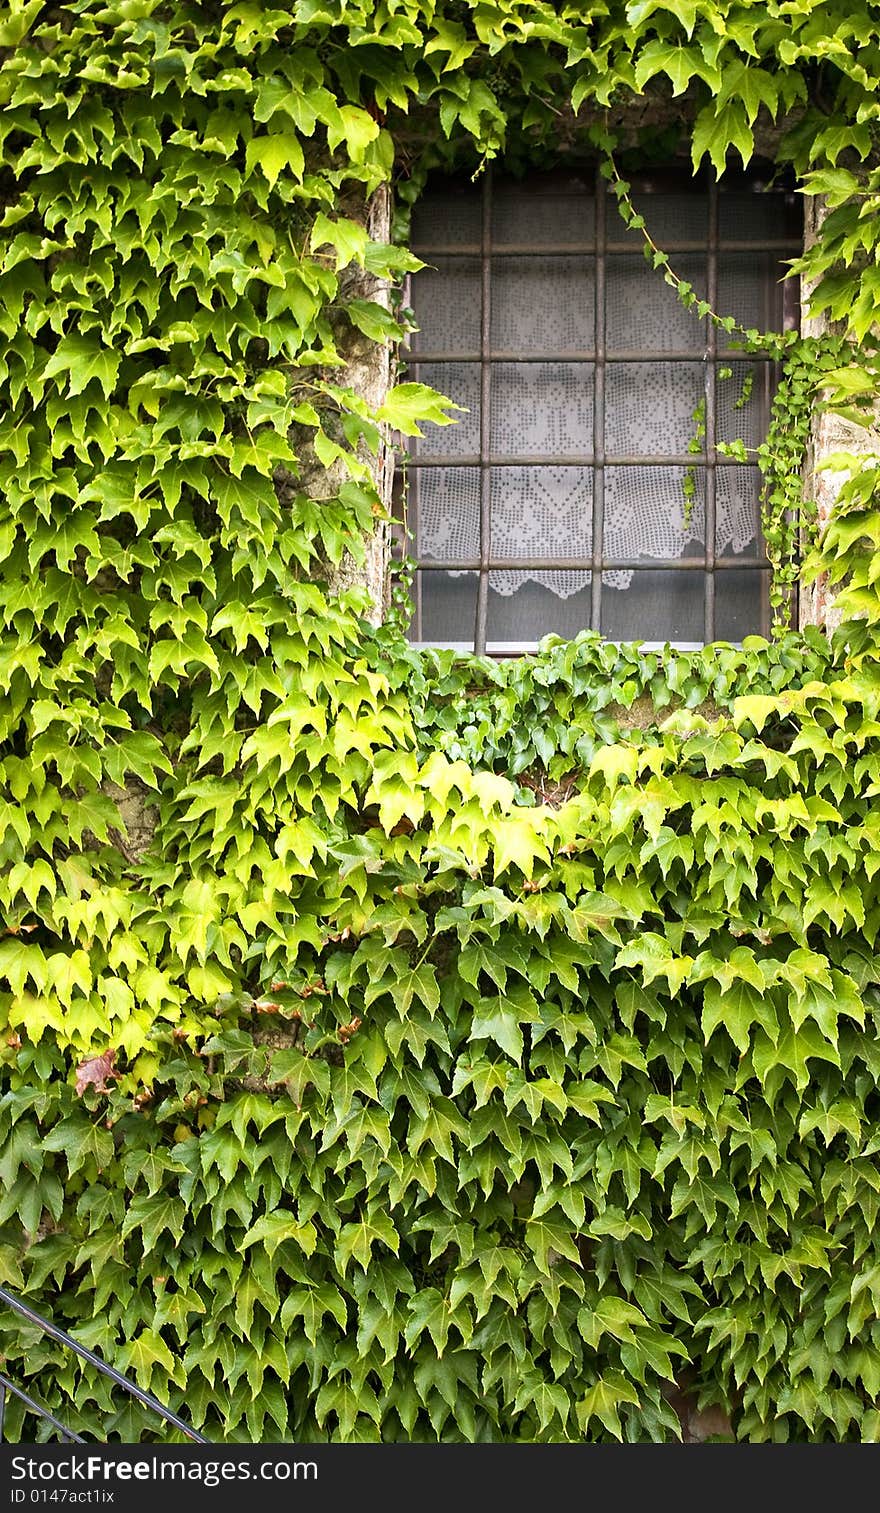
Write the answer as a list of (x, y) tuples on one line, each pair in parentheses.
[(643, 314), (445, 217), (653, 606), (543, 217), (542, 512), (667, 217), (741, 604), (755, 216), (459, 381), (737, 512), (542, 408), (649, 407), (742, 402), (649, 514), (543, 304), (446, 605), (446, 300), (523, 615), (748, 290), (445, 512)]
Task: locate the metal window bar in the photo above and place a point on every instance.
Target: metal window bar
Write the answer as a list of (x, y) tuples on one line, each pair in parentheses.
[(709, 440), (781, 306), (573, 249), (729, 354), (587, 459), (598, 528), (417, 585), (413, 486), (584, 564), (485, 415), (55, 1333), (789, 306), (765, 380)]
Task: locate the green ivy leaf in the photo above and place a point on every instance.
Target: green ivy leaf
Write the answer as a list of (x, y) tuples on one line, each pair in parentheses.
[(275, 153)]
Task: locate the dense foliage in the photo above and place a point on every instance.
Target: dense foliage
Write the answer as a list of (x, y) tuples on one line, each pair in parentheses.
[(472, 1048)]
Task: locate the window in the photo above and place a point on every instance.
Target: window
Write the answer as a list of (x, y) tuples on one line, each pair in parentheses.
[(570, 494)]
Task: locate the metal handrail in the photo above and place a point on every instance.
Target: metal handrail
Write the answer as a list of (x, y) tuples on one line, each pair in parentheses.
[(7, 1386), (53, 1331)]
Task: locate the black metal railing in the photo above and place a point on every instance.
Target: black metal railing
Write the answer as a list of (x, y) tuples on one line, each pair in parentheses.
[(146, 1399)]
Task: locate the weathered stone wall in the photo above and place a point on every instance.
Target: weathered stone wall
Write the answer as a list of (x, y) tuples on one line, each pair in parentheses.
[(829, 434), (136, 804)]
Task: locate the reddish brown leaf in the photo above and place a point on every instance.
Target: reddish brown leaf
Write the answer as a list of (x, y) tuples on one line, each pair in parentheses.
[(94, 1072)]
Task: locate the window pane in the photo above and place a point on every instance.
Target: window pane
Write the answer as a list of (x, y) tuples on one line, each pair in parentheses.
[(741, 604), (643, 314), (737, 514), (747, 289), (448, 607), (668, 218), (543, 304), (653, 606), (752, 216), (542, 408), (742, 413), (541, 512), (649, 407), (459, 381), (534, 610), (445, 217), (445, 513), (521, 213), (648, 514), (447, 301)]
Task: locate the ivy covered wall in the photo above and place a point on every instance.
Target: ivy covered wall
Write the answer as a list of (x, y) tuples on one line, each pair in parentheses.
[(395, 1046)]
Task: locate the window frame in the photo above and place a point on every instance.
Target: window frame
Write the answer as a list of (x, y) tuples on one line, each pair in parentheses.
[(599, 247)]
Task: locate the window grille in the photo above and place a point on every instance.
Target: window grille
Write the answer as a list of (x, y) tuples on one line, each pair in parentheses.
[(570, 494)]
